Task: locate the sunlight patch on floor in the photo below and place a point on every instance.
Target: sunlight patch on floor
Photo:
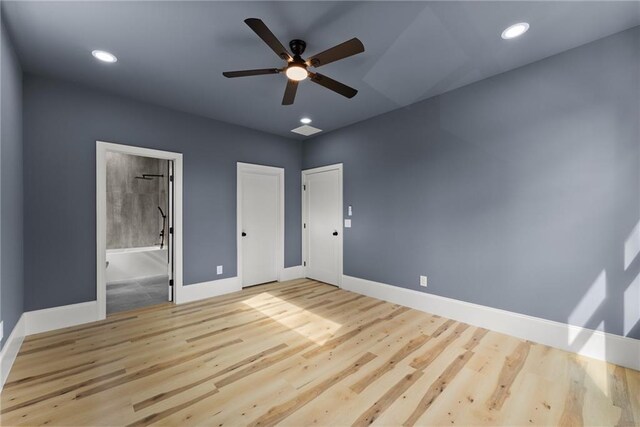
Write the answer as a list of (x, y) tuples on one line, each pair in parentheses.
[(306, 323), (598, 372)]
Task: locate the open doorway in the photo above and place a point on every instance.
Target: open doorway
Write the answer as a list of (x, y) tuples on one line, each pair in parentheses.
[(138, 267), (138, 209)]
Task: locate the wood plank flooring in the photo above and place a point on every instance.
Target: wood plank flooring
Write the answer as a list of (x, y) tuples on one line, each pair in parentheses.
[(305, 353)]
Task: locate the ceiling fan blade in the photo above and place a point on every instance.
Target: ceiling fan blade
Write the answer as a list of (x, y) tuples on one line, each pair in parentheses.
[(290, 92), (247, 73), (333, 85), (343, 50), (267, 36)]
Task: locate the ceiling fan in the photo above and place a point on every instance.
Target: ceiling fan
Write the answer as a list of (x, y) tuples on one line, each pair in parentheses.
[(296, 69)]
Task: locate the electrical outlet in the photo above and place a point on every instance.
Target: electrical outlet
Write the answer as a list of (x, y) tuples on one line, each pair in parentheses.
[(219, 269), (423, 281)]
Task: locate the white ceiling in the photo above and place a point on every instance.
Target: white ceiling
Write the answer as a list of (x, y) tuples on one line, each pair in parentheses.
[(172, 53)]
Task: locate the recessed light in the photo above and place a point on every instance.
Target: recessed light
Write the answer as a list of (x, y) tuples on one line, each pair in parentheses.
[(104, 56), (515, 30), (305, 120)]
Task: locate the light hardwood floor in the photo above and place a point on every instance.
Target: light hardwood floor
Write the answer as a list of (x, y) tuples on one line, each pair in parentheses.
[(305, 353)]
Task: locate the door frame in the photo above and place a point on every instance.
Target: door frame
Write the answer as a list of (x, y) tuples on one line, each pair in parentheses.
[(265, 170), (101, 215), (305, 231)]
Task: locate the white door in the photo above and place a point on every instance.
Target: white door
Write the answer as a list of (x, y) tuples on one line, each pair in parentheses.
[(260, 198), (323, 225)]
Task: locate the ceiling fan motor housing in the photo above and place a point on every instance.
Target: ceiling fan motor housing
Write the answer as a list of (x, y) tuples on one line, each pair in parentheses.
[(297, 46)]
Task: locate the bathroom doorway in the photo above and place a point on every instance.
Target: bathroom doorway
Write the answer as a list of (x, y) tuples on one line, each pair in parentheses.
[(138, 239), (136, 216)]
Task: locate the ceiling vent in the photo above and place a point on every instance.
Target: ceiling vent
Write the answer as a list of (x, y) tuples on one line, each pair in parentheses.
[(306, 130)]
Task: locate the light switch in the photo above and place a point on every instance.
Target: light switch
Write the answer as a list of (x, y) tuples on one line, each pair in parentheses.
[(347, 223), (349, 211)]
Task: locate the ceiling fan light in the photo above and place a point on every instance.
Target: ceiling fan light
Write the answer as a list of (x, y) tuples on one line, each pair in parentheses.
[(296, 73)]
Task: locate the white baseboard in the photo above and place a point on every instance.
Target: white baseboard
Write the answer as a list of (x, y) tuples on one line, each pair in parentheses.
[(596, 344), (213, 288), (10, 349), (291, 273), (48, 319)]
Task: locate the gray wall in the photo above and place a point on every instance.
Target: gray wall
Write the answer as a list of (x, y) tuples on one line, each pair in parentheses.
[(64, 121), (133, 218), (516, 192), (11, 206)]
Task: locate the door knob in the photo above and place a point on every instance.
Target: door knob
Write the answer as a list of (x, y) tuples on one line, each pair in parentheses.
[(244, 234), (335, 233)]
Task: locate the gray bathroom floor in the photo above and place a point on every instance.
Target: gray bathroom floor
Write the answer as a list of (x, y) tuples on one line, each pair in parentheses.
[(123, 296)]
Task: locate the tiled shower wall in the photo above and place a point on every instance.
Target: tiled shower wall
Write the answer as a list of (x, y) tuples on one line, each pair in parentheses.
[(133, 218)]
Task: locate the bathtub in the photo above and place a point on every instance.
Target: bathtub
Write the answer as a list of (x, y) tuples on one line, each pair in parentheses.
[(136, 263)]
